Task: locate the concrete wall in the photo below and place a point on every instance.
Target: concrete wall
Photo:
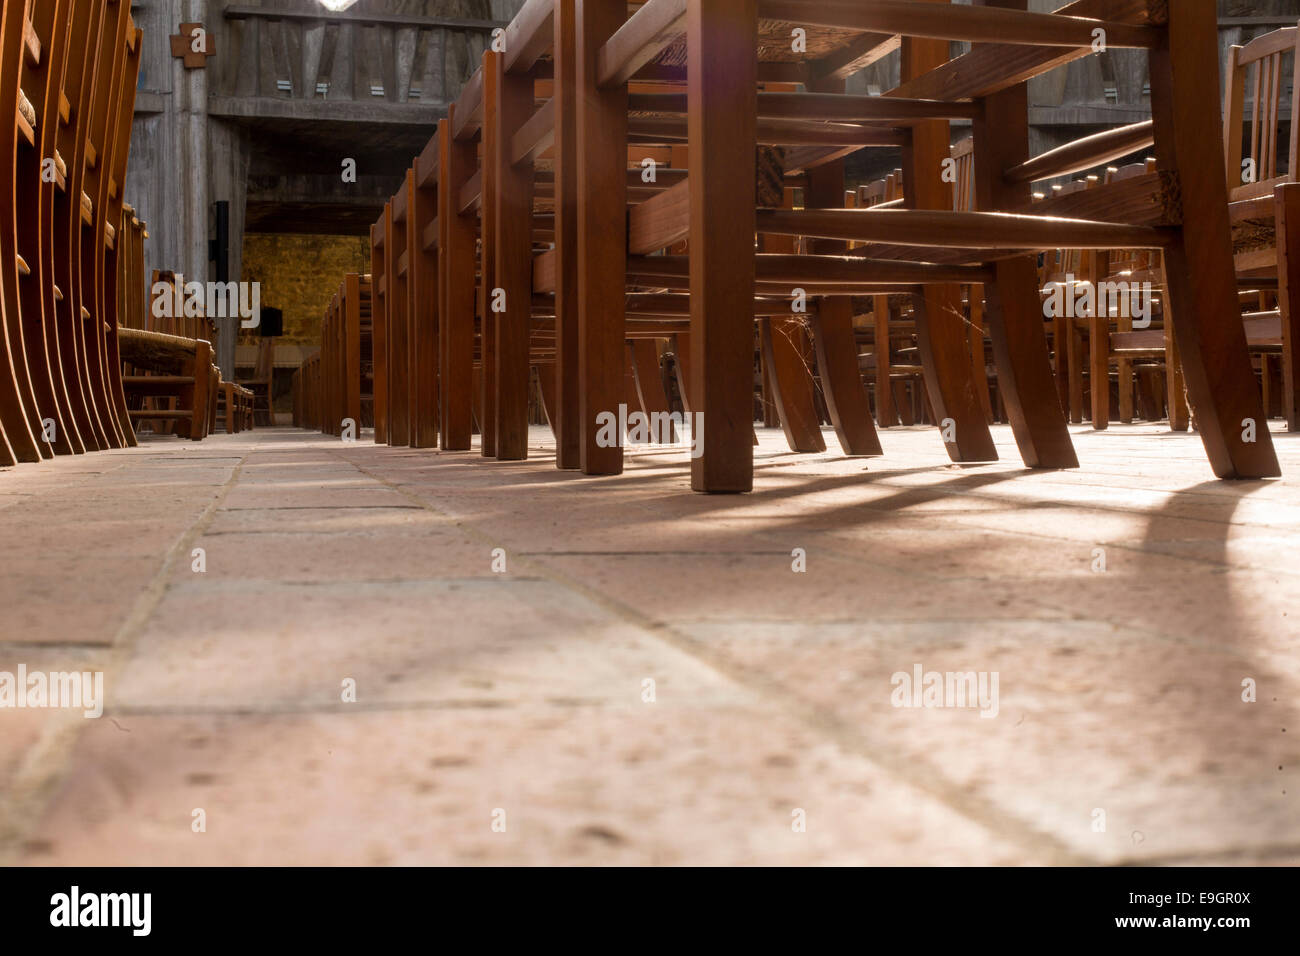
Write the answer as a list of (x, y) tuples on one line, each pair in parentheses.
[(184, 158)]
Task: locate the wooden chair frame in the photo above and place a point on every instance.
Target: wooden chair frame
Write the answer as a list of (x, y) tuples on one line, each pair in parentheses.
[(600, 280), (69, 69)]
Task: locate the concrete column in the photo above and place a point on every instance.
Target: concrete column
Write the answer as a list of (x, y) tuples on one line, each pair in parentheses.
[(169, 177), (228, 161)]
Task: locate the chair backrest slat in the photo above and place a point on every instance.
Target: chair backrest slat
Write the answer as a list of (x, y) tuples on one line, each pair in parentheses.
[(1259, 66)]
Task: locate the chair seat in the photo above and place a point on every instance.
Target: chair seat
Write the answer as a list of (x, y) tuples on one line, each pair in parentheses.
[(1263, 329), (1144, 341)]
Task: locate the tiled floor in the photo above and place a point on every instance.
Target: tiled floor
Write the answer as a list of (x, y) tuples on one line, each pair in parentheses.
[(648, 680)]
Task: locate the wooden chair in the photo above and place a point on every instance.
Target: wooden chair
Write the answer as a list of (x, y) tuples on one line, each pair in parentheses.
[(403, 302), (1257, 206), (39, 94), (112, 267), (73, 215), (1199, 286), (170, 380), (260, 383), (1144, 361), (109, 109), (180, 369), (894, 376), (225, 409), (654, 226), (1265, 197), (233, 408)]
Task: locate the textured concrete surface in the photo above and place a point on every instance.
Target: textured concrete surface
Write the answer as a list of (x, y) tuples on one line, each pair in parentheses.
[(523, 697)]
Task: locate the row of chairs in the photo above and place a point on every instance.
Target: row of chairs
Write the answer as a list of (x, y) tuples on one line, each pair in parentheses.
[(888, 341), (335, 387), (1106, 368), (68, 72), (307, 390), (233, 408), (83, 361), (539, 233), (1263, 175)]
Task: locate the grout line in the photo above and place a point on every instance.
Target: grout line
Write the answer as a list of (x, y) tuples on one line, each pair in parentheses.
[(849, 739)]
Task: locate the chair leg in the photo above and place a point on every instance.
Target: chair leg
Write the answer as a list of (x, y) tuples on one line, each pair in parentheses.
[(1020, 348), (886, 411), (945, 353), (792, 383), (979, 370), (722, 70), (202, 391), (1201, 283), (546, 385), (1286, 199), (837, 358), (1026, 379), (1074, 361), (601, 153), (456, 267), (509, 109)]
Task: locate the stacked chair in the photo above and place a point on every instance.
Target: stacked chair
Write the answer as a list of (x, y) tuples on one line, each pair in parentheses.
[(673, 171)]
